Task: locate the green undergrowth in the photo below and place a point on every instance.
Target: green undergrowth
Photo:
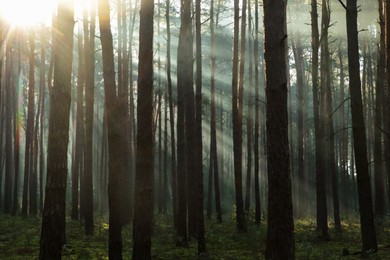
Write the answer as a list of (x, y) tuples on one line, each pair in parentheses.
[(19, 239)]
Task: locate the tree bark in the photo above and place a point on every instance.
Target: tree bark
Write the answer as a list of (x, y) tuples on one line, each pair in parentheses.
[(143, 207), (359, 133), (53, 219), (280, 233)]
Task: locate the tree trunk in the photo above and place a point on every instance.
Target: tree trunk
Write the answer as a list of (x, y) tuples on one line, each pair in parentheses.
[(53, 221), (237, 92), (322, 215), (89, 46), (115, 154), (198, 135), (359, 133), (143, 208), (214, 171), (171, 118), (257, 119), (280, 233), (379, 92)]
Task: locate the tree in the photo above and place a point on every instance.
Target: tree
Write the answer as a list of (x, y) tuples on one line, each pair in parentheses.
[(322, 215), (198, 135), (53, 217), (326, 111), (237, 100), (369, 242), (89, 45), (185, 116), (171, 117), (115, 155), (280, 233), (213, 131), (379, 91), (143, 207), (257, 115)]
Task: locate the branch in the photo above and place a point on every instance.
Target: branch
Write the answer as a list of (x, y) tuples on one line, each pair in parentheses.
[(345, 7), (339, 106)]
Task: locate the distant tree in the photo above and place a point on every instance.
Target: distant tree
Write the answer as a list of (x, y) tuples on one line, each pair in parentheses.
[(143, 208), (77, 167), (89, 46), (198, 135), (8, 129), (171, 117), (257, 115), (237, 92), (53, 217), (214, 171), (369, 242), (280, 233), (327, 110)]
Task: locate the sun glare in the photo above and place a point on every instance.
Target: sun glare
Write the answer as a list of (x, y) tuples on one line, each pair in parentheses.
[(25, 13)]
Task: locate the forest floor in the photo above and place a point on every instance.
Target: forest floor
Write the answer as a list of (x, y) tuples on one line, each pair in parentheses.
[(19, 239)]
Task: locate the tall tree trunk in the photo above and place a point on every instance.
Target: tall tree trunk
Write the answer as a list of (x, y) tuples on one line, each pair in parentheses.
[(185, 117), (78, 168), (27, 183), (115, 155), (237, 92), (198, 135), (359, 133), (280, 233), (171, 118), (249, 122), (89, 46), (326, 113), (299, 67), (8, 129), (143, 208), (214, 171), (257, 118), (322, 215), (53, 221), (379, 92)]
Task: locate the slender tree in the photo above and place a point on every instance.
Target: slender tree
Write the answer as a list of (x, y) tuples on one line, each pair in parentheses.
[(369, 242), (322, 215), (115, 155), (237, 92)]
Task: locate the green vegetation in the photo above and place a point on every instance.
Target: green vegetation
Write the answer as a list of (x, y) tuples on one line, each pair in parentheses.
[(19, 239)]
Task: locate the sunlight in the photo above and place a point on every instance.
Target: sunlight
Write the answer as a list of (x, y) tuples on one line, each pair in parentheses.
[(25, 13)]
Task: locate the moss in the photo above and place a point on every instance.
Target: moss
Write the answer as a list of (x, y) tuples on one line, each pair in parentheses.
[(19, 239)]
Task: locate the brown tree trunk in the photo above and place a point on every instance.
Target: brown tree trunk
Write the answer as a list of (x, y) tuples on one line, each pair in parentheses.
[(379, 92), (89, 46), (214, 171), (257, 119), (198, 135), (115, 155), (280, 233), (143, 208), (237, 92), (359, 132), (322, 215), (171, 118), (53, 221)]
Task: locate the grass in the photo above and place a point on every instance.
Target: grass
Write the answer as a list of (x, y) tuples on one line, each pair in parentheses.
[(19, 239)]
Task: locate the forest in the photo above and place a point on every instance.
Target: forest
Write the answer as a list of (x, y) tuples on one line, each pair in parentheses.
[(194, 129)]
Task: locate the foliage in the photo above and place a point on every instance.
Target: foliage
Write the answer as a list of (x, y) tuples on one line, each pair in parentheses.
[(19, 239)]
